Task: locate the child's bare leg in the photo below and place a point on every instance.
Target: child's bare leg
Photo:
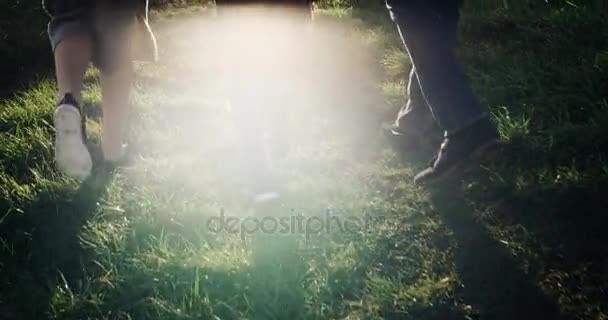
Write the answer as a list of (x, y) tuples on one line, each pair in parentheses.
[(114, 26), (115, 89), (72, 57)]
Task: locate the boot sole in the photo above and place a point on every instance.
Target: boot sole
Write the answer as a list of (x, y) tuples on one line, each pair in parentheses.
[(486, 152)]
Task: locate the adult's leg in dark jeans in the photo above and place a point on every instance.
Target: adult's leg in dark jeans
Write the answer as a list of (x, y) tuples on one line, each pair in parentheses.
[(429, 30), (414, 119)]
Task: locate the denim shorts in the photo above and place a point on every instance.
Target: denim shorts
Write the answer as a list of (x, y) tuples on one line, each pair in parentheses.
[(119, 34)]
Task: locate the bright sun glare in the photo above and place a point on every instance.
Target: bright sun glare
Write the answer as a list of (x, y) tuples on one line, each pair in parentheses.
[(283, 79)]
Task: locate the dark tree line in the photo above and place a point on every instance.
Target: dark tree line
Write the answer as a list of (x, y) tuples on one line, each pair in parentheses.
[(24, 46)]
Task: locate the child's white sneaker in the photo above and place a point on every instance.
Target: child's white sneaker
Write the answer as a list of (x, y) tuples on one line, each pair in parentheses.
[(71, 153)]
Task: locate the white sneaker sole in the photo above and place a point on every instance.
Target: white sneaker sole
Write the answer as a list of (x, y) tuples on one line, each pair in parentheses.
[(71, 153), (266, 196)]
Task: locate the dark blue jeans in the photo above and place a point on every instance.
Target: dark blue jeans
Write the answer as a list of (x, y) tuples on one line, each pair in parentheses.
[(438, 86)]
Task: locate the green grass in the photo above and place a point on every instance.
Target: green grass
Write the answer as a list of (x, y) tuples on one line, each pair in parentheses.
[(520, 238)]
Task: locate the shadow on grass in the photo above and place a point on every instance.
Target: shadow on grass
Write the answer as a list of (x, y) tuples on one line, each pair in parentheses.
[(564, 240), (495, 284), (47, 250), (268, 288), (277, 274), (493, 281)]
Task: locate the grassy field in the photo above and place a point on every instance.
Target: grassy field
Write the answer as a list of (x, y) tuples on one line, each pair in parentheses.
[(353, 238)]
